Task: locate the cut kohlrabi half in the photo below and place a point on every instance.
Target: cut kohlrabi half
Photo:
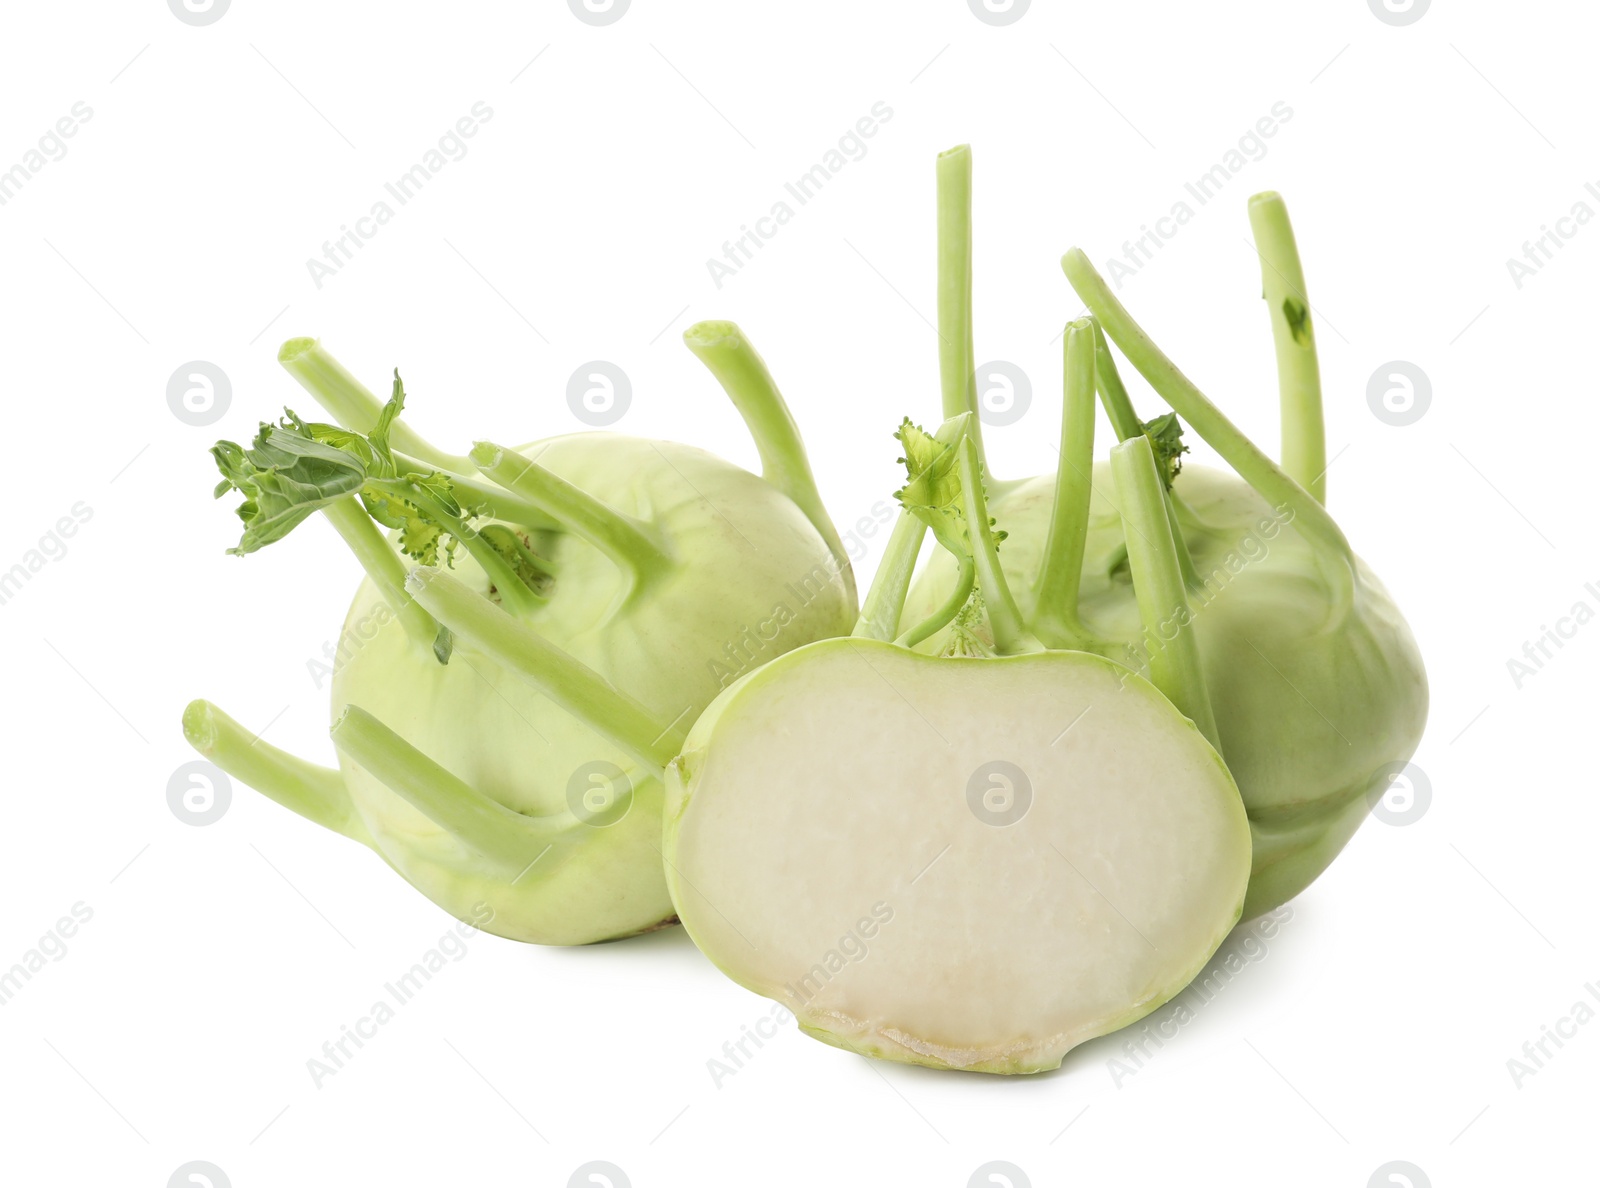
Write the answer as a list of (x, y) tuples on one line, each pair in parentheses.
[(974, 860)]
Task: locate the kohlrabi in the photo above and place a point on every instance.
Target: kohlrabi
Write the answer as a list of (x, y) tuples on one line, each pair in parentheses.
[(975, 859), (501, 732), (1316, 682)]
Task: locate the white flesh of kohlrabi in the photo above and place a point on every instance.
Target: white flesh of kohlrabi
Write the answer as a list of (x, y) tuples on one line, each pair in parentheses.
[(873, 880)]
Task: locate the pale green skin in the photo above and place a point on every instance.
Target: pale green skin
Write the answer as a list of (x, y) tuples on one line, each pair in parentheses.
[(1310, 713), (742, 549)]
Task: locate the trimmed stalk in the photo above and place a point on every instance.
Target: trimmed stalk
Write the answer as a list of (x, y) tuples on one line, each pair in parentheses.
[(385, 569), (1158, 583), (513, 591), (1126, 422), (628, 542), (570, 683), (957, 365), (886, 598), (1056, 619), (1113, 393), (351, 403), (1276, 487), (495, 831), (940, 619), (743, 374), (1283, 284), (316, 793), (1004, 617), (495, 502)]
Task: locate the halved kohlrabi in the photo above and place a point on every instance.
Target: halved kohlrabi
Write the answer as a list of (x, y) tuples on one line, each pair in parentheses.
[(972, 860)]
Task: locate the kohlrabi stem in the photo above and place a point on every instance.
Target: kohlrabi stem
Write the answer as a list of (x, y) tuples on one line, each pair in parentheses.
[(495, 502), (957, 366), (1283, 284), (1004, 617), (1276, 487), (316, 793), (633, 545), (514, 592), (1127, 424), (940, 618), (495, 831), (886, 598), (1158, 585), (743, 374), (1056, 620), (1113, 393), (383, 566), (567, 681), (351, 403)]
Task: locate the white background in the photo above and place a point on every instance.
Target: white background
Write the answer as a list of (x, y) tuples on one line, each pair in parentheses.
[(1379, 1023)]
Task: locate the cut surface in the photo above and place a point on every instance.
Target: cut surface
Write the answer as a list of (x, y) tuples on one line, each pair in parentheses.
[(963, 863)]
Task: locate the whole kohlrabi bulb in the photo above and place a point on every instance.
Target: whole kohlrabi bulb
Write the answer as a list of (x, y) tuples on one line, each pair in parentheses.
[(502, 732)]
